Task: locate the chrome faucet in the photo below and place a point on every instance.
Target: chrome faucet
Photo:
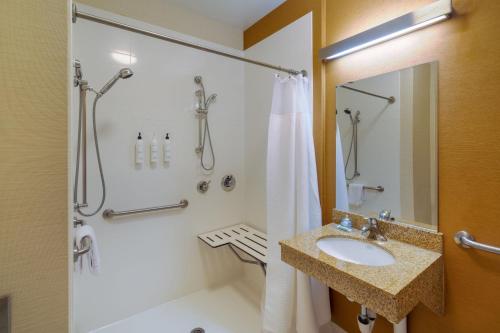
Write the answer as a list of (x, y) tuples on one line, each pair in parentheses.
[(371, 230)]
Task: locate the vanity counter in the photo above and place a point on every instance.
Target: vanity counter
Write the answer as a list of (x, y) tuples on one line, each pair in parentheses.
[(392, 291)]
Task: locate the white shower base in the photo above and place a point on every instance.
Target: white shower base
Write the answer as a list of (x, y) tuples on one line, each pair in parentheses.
[(228, 309)]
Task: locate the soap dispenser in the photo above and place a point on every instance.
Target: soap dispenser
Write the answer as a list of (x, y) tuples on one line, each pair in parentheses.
[(166, 149), (345, 224), (139, 150), (154, 150)]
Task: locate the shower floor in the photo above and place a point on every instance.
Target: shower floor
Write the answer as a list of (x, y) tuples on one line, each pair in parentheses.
[(227, 309)]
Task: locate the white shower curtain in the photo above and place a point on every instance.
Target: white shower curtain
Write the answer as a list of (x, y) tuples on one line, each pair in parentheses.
[(293, 301), (341, 201)]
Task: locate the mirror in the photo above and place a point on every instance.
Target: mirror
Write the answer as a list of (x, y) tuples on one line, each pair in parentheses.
[(387, 127)]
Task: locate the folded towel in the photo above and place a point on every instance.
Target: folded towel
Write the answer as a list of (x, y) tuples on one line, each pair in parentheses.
[(356, 194), (92, 257)]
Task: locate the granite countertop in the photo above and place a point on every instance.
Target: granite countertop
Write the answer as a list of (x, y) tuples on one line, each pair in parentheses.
[(391, 290)]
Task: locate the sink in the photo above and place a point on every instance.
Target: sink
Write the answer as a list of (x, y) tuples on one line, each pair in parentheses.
[(355, 251)]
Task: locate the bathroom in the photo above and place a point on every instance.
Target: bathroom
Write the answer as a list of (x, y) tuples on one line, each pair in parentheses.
[(184, 100)]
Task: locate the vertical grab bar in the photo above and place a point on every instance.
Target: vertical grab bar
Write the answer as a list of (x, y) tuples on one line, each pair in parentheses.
[(83, 101)]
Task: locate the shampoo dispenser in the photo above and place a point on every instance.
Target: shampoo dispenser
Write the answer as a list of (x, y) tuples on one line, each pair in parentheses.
[(345, 224), (139, 150), (167, 149), (154, 150)]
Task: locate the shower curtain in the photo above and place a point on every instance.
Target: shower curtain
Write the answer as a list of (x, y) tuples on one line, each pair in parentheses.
[(294, 302), (341, 201)]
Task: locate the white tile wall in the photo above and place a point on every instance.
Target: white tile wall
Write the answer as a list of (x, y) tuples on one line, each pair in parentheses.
[(150, 259)]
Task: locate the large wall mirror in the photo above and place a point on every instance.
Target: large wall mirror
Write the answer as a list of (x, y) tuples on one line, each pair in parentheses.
[(387, 145)]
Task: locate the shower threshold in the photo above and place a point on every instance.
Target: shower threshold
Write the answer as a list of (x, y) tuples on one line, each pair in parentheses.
[(226, 309)]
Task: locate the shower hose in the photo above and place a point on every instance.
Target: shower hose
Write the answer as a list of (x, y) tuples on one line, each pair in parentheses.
[(354, 139), (206, 135)]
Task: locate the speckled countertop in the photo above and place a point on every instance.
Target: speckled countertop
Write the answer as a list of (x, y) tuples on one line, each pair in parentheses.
[(392, 291)]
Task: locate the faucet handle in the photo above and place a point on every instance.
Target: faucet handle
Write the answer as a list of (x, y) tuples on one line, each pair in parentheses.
[(365, 229), (385, 214), (373, 222)]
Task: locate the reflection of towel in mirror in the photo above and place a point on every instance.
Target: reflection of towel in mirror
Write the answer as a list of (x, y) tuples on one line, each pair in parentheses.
[(356, 194)]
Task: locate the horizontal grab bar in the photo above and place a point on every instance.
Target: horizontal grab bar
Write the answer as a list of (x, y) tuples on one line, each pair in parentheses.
[(466, 240), (378, 188), (110, 213), (373, 188)]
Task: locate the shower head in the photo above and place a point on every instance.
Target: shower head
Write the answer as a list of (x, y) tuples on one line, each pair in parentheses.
[(347, 111), (210, 99), (124, 73), (197, 79)]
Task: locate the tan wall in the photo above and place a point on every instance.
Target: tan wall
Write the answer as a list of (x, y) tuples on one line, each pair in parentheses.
[(174, 17), (468, 49), (33, 170)]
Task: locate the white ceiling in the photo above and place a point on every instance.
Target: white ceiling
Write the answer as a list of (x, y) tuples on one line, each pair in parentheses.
[(238, 13)]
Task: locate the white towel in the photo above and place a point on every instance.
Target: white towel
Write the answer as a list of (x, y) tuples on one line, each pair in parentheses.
[(92, 257), (356, 194)]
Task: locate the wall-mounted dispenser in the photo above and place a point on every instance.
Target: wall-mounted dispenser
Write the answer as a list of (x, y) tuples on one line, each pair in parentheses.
[(139, 150), (167, 150), (153, 156)]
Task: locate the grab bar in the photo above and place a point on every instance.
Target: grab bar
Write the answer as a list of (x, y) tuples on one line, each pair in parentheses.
[(373, 188), (466, 240), (378, 188), (110, 213)]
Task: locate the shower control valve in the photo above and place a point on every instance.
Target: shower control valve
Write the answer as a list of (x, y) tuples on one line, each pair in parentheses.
[(203, 186)]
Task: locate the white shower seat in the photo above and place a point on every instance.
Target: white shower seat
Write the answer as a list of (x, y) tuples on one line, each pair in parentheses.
[(245, 238)]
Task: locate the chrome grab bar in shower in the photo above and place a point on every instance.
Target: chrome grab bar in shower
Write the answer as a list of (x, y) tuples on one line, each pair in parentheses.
[(110, 213), (373, 188), (466, 240)]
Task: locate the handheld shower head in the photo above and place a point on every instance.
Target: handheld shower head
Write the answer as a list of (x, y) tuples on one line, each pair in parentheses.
[(124, 73), (210, 100)]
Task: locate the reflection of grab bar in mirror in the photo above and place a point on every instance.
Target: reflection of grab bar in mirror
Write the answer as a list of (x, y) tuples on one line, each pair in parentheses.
[(372, 188)]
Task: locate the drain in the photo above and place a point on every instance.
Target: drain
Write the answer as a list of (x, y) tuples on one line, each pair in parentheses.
[(198, 330)]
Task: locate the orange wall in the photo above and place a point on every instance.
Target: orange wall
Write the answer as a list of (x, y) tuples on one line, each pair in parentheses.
[(468, 50)]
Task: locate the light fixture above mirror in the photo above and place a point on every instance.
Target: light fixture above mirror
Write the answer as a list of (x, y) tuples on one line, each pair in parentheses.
[(435, 12)]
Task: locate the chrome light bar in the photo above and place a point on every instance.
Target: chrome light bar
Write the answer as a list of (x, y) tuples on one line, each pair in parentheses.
[(418, 19)]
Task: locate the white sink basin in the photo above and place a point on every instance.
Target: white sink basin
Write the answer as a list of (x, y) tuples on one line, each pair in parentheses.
[(355, 251)]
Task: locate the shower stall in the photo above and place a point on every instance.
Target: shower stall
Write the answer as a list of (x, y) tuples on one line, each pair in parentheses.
[(156, 273)]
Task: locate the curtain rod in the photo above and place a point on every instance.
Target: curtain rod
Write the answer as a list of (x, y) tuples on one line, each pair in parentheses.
[(390, 99), (79, 14)]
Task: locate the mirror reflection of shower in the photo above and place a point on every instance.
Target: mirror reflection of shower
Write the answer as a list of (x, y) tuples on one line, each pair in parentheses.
[(81, 149), (204, 137), (353, 145)]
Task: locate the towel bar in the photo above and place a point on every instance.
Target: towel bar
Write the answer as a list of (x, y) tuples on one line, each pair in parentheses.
[(85, 246), (373, 188)]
